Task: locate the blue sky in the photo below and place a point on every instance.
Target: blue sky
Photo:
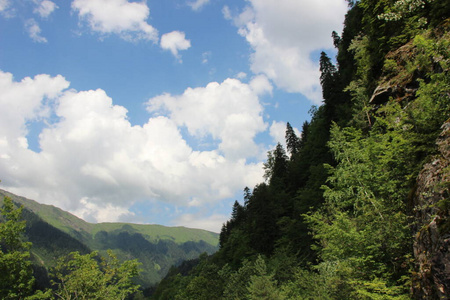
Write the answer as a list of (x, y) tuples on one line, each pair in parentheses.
[(157, 111)]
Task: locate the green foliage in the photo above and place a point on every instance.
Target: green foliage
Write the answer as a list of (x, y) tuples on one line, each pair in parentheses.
[(16, 278), (84, 277), (365, 208), (237, 281), (86, 232), (276, 166), (55, 233), (432, 105), (262, 286), (402, 8), (360, 88), (310, 285), (206, 283), (236, 248), (333, 220), (292, 141)]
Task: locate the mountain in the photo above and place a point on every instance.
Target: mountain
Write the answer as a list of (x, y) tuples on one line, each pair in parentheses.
[(55, 233), (357, 206)]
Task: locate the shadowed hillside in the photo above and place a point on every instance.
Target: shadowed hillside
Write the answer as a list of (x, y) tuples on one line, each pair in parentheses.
[(55, 233)]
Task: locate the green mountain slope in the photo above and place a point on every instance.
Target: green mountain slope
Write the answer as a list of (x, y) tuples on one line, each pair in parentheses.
[(55, 233), (357, 207)]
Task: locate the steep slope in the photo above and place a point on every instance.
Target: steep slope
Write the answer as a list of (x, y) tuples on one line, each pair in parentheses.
[(432, 241), (360, 209), (55, 233), (78, 227)]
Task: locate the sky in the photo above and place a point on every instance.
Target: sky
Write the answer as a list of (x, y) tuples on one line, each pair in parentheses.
[(157, 111)]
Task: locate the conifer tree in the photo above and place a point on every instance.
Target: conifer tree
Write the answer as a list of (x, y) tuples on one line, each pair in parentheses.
[(292, 141), (262, 285)]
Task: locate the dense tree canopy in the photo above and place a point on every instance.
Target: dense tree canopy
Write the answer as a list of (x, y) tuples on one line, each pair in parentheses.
[(16, 278), (333, 219)]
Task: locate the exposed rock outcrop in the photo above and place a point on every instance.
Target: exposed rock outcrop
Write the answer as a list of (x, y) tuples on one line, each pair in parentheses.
[(396, 81), (431, 279)]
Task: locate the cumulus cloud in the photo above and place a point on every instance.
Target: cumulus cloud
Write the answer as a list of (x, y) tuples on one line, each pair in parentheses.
[(102, 212), (277, 132), (34, 31), (229, 112), (94, 163), (175, 41), (284, 34), (212, 223), (197, 4), (44, 7), (25, 101), (127, 19)]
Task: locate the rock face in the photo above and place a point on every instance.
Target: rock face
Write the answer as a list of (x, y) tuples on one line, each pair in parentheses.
[(431, 279), (396, 82)]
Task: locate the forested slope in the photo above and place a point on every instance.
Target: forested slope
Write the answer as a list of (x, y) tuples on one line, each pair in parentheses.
[(358, 206)]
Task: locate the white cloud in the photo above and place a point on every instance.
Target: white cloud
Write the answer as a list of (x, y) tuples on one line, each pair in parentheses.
[(205, 57), (212, 223), (284, 34), (45, 7), (94, 163), (278, 132), (41, 7), (103, 212), (34, 31), (127, 19), (25, 101), (227, 13), (175, 41), (229, 112), (4, 4), (261, 85), (198, 4), (241, 75)]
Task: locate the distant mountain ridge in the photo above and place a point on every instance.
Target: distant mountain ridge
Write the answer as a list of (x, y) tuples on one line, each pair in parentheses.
[(55, 233)]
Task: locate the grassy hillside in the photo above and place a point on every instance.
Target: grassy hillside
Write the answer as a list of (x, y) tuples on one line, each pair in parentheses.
[(55, 233), (70, 224), (158, 232)]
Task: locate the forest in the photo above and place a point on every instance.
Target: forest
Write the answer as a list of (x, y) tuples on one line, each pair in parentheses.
[(347, 208), (356, 207)]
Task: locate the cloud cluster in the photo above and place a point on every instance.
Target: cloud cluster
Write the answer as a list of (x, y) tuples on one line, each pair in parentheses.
[(284, 34), (127, 19), (94, 163), (229, 112), (44, 7), (34, 31), (211, 223)]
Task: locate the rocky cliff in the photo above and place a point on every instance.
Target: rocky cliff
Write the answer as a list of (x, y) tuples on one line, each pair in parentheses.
[(431, 278)]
